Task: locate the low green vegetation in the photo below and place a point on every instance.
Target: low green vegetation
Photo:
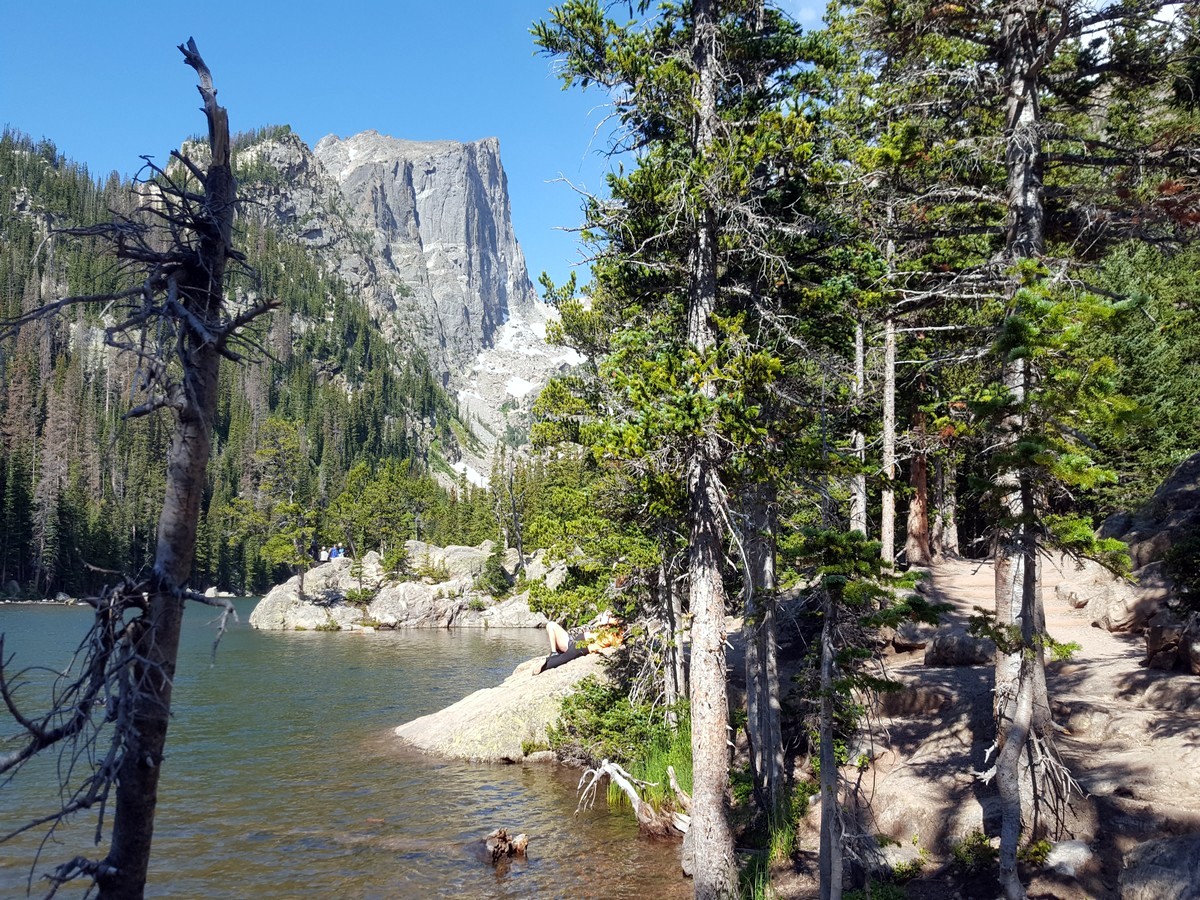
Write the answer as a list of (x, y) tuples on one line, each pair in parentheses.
[(599, 722), (974, 853)]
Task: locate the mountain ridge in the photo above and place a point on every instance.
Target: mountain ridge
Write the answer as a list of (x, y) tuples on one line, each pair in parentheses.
[(422, 230)]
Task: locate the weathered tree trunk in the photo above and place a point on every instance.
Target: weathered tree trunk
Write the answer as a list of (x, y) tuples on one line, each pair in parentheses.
[(200, 286), (917, 550), (830, 854), (943, 537), (715, 868), (516, 516), (672, 683), (858, 444), (762, 668), (715, 871), (1028, 40), (887, 523)]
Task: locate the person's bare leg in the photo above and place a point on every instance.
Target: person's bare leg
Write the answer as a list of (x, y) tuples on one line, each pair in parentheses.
[(560, 641)]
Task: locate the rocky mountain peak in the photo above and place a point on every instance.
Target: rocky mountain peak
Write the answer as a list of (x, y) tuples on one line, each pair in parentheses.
[(422, 231)]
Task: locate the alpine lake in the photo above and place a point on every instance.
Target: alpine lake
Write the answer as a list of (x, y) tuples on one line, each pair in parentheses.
[(283, 778)]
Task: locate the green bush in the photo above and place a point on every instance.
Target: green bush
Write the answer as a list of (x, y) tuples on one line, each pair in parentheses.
[(435, 572), (494, 579), (361, 597), (974, 853), (1035, 853), (395, 560), (666, 748), (598, 722)]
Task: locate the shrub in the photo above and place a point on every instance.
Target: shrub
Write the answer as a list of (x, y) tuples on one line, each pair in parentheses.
[(395, 560), (435, 572), (1035, 853), (360, 597), (598, 722), (974, 853), (494, 579)]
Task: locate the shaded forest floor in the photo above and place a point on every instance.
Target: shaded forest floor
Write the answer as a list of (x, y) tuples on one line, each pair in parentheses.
[(1132, 742)]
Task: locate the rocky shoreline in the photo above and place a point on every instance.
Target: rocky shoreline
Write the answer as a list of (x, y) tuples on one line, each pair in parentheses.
[(442, 594)]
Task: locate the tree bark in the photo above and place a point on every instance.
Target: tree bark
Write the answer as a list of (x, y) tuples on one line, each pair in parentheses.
[(858, 445), (715, 872), (830, 853), (201, 292), (943, 538), (761, 663), (1021, 704), (672, 684), (917, 550), (887, 524)]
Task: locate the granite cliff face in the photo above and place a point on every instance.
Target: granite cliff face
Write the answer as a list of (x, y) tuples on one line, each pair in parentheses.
[(422, 232), (439, 217)]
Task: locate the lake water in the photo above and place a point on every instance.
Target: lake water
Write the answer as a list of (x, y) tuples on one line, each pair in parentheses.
[(283, 778)]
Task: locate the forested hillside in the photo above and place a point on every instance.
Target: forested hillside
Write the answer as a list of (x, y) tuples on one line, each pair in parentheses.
[(323, 395), (933, 257)]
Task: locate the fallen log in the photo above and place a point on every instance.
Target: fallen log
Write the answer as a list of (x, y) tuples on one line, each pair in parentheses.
[(657, 822)]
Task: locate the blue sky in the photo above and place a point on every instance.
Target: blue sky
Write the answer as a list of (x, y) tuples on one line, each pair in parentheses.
[(104, 81)]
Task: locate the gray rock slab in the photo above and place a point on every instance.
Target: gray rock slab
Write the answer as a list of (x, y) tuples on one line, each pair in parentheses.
[(498, 724), (1157, 870)]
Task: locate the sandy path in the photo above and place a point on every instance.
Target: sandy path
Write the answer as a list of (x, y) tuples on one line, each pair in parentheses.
[(1134, 742)]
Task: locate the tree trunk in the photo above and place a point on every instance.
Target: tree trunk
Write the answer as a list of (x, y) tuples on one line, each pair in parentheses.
[(201, 291), (516, 516), (858, 445), (943, 537), (917, 545), (830, 856), (887, 524), (761, 639), (1020, 700), (715, 871), (672, 687)]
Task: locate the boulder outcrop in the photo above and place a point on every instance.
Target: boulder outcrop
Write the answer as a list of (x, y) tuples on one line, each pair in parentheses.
[(506, 723), (1169, 517), (1164, 868), (444, 598)]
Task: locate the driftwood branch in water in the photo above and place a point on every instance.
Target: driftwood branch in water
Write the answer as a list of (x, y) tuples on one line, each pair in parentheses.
[(660, 822)]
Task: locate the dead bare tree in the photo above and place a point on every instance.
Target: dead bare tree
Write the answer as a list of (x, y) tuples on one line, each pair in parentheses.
[(109, 722)]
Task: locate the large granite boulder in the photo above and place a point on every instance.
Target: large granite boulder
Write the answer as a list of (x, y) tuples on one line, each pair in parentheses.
[(1171, 515), (538, 569), (1112, 602), (454, 603), (1159, 869), (955, 646), (453, 562), (507, 723)]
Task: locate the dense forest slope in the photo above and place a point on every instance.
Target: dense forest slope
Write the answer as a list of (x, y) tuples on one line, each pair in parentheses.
[(342, 394)]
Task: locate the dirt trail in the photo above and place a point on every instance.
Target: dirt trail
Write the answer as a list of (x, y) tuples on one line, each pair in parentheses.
[(1133, 734)]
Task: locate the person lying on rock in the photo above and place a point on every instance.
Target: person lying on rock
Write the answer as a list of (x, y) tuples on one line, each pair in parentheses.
[(604, 633)]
